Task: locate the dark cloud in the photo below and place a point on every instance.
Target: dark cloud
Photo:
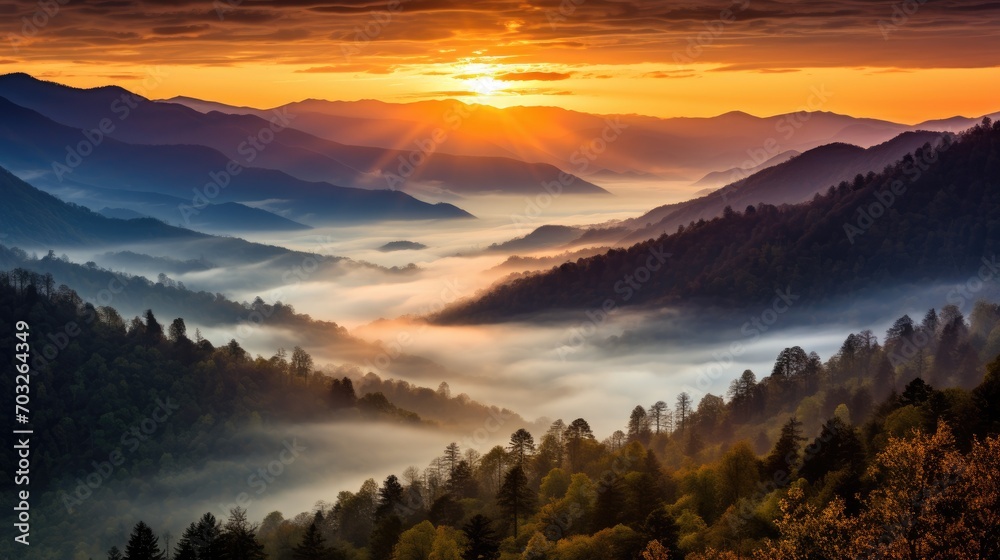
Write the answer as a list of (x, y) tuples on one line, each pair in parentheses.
[(765, 35)]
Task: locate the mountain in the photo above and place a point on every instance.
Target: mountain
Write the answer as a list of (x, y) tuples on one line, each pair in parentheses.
[(57, 156), (719, 178), (641, 147), (224, 218), (794, 181), (932, 217), (33, 219), (267, 141)]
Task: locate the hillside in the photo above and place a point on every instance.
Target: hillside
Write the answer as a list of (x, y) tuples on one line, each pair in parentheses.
[(33, 144), (791, 182), (940, 225), (283, 147)]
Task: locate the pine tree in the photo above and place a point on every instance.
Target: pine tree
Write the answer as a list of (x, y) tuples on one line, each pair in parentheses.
[(239, 538), (481, 538), (143, 544), (515, 496), (312, 547), (522, 446), (115, 554), (785, 455)]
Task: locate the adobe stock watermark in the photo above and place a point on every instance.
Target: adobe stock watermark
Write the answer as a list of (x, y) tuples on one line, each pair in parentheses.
[(713, 30), (913, 169), (248, 149), (131, 439), (581, 159), (625, 289), (901, 13), (31, 26), (121, 107), (265, 476), (752, 330)]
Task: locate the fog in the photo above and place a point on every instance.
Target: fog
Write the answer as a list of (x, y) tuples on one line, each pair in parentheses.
[(554, 366)]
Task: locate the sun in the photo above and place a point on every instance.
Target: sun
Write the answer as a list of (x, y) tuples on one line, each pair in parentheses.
[(485, 86)]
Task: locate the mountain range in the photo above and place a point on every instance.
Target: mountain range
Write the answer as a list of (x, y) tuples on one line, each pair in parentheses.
[(930, 217), (268, 141), (652, 148)]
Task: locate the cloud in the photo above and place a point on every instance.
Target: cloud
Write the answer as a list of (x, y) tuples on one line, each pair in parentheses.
[(533, 76), (843, 33)]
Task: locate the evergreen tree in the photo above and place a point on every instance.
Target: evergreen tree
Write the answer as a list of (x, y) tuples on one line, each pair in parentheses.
[(115, 554), (786, 453), (638, 426), (522, 446), (143, 544), (390, 497), (482, 543), (313, 546), (384, 537), (239, 538), (516, 498)]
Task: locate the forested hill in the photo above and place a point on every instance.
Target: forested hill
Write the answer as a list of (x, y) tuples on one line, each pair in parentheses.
[(935, 215), (819, 459)]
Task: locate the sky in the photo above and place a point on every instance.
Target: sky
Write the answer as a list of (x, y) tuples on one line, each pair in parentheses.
[(903, 61)]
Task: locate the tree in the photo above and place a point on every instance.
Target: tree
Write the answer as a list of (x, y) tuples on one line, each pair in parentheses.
[(452, 455), (313, 546), (838, 448), (638, 426), (200, 541), (342, 393), (115, 554), (660, 527), (575, 436), (739, 473), (784, 457), (654, 549), (494, 466), (516, 498), (154, 331), (522, 446), (741, 393), (302, 363), (683, 410), (416, 543), (656, 415), (239, 538), (445, 547), (551, 449), (143, 544), (386, 534), (790, 364), (482, 543), (462, 482), (178, 330), (616, 440), (390, 496)]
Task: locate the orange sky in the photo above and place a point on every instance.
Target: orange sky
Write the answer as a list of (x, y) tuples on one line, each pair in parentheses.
[(657, 58)]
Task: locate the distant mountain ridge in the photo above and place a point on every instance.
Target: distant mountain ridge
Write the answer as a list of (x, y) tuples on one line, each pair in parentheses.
[(33, 144), (791, 182), (931, 217), (679, 148), (268, 140)]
